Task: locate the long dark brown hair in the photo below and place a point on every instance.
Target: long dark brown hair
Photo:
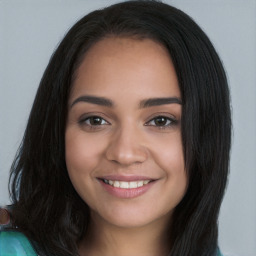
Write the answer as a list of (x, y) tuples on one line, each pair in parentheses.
[(47, 208)]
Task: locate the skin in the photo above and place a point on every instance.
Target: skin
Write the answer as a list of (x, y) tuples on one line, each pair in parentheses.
[(4, 216), (127, 140)]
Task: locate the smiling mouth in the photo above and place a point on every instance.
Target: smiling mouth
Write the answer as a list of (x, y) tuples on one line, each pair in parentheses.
[(126, 187), (125, 184)]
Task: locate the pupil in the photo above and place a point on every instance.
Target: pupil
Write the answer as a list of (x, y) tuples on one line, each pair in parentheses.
[(160, 121), (95, 120)]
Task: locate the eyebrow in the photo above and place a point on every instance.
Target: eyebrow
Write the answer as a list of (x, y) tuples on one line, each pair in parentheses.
[(159, 101), (143, 104), (94, 100)]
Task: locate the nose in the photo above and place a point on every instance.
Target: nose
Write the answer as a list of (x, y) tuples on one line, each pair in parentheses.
[(126, 147)]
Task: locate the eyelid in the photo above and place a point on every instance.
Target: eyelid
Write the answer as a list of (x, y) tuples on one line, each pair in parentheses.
[(102, 119), (171, 118), (162, 114), (86, 116)]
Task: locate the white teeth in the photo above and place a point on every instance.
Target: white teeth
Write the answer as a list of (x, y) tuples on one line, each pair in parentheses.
[(133, 184), (116, 184), (140, 183), (124, 184)]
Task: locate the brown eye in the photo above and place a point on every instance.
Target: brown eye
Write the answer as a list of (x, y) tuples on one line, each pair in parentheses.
[(94, 121), (161, 122)]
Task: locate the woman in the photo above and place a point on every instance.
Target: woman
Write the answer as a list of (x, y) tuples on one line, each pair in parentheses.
[(128, 139)]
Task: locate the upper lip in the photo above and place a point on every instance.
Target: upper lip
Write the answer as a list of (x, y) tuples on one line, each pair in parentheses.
[(126, 177)]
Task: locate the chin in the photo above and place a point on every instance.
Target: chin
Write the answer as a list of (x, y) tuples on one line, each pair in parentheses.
[(124, 217)]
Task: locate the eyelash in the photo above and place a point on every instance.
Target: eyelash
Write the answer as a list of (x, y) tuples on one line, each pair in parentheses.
[(93, 126), (170, 122)]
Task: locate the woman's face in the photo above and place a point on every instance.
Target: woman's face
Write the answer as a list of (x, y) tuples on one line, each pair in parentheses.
[(123, 136)]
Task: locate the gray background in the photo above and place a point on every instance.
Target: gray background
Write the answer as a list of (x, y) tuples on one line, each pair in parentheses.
[(30, 31)]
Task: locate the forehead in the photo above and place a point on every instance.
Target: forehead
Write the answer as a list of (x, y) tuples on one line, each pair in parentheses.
[(127, 66)]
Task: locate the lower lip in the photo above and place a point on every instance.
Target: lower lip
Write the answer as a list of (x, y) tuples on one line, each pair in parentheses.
[(127, 192)]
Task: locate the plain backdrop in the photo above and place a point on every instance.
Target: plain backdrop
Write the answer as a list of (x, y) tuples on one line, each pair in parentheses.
[(29, 33)]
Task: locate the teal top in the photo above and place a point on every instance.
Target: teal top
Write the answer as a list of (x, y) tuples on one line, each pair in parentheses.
[(13, 243), (219, 253)]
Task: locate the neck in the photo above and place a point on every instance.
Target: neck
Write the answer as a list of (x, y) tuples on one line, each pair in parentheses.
[(106, 239)]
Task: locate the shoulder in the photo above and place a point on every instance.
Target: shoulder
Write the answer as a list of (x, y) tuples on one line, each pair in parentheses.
[(14, 243)]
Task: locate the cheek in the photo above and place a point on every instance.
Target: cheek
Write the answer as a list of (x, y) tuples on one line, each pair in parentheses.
[(82, 158), (83, 155), (82, 152), (168, 154)]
